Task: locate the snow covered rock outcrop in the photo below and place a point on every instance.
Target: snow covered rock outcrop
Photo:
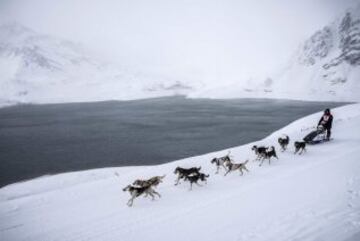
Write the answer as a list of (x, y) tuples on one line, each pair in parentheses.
[(43, 69), (327, 65)]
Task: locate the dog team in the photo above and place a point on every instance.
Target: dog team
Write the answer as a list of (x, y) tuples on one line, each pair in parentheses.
[(193, 175)]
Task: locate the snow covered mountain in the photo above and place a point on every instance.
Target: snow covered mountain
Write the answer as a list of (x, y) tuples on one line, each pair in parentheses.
[(325, 67), (43, 69), (309, 197), (328, 63)]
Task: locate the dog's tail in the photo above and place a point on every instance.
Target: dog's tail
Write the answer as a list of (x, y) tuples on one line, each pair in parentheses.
[(246, 162), (162, 177)]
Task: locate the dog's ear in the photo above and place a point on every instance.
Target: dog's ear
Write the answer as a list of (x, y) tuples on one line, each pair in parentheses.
[(163, 176), (199, 168)]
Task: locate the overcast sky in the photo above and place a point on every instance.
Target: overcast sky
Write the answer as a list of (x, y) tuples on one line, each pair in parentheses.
[(215, 40)]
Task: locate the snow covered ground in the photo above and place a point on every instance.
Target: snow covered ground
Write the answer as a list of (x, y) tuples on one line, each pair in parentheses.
[(315, 196)]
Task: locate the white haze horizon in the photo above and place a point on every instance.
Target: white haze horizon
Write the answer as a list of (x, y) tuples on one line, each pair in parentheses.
[(217, 42)]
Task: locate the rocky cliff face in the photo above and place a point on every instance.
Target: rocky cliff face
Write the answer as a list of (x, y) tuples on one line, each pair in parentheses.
[(317, 47), (349, 31), (343, 35), (328, 63)]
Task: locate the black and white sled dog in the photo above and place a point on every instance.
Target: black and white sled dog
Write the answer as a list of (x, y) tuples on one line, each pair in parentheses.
[(270, 152), (284, 142), (259, 151), (154, 181), (221, 162), (138, 191), (184, 172), (195, 178), (300, 146), (237, 166)]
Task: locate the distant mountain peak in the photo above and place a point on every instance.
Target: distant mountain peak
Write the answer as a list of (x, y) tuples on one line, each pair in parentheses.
[(46, 69), (328, 62)]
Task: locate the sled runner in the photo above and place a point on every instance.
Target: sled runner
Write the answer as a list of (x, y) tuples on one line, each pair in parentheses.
[(317, 136)]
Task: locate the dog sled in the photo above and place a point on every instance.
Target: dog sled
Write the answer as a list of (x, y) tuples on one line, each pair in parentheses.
[(316, 136)]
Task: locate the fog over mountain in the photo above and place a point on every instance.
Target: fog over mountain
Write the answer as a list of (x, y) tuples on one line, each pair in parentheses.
[(101, 50), (38, 68), (326, 66), (328, 63)]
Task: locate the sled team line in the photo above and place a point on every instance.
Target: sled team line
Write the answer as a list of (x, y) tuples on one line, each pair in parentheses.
[(193, 175)]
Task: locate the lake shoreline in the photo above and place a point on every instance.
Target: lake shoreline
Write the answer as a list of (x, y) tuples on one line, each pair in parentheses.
[(38, 140)]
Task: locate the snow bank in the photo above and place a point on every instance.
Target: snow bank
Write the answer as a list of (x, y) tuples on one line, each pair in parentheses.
[(315, 196)]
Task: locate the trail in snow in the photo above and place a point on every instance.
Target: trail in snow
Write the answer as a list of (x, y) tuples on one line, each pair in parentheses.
[(315, 196)]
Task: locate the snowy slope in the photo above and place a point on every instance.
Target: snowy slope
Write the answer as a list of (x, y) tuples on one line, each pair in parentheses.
[(37, 68), (315, 196), (324, 67), (328, 63)]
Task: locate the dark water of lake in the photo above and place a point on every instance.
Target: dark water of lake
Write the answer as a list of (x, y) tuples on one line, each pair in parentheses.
[(45, 139)]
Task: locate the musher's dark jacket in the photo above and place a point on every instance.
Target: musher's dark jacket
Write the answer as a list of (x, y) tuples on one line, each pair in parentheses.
[(326, 123)]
